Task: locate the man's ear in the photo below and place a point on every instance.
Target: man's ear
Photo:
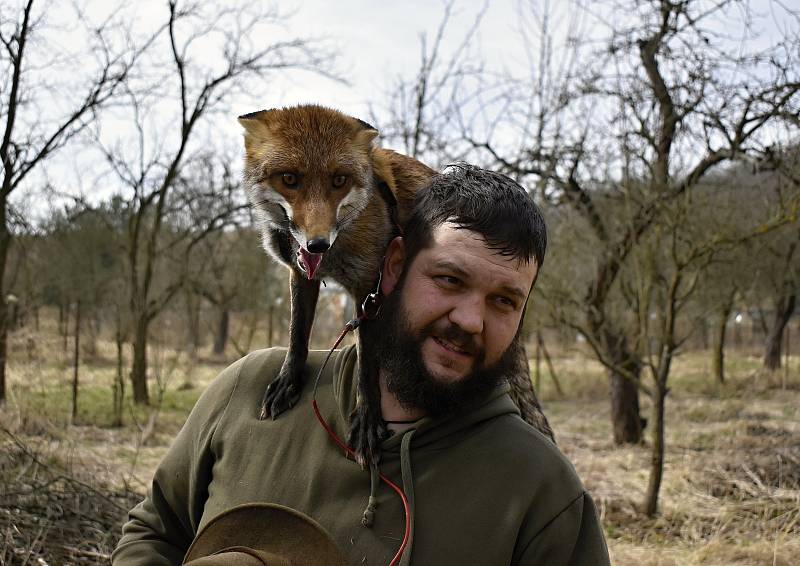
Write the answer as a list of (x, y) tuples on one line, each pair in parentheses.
[(393, 264)]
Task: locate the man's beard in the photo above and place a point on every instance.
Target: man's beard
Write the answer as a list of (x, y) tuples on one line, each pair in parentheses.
[(407, 376)]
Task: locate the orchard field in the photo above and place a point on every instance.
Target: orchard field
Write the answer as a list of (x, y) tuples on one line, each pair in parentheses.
[(731, 492)]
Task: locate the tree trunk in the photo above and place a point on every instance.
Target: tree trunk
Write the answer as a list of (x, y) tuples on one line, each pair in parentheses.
[(65, 329), (119, 383), (718, 348), (549, 362), (222, 332), (76, 361), (3, 349), (139, 368), (703, 325), (657, 455), (5, 246), (626, 418), (783, 312), (13, 315), (93, 329), (192, 324)]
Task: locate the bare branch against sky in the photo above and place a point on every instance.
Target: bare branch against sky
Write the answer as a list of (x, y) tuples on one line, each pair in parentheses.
[(34, 127), (171, 110)]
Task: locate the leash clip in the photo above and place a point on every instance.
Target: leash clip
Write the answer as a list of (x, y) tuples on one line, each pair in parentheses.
[(371, 306), (372, 302)]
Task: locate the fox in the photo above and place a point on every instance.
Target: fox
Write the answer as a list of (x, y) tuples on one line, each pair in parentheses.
[(328, 200)]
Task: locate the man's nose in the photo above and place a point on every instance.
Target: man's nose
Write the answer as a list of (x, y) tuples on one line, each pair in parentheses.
[(468, 314)]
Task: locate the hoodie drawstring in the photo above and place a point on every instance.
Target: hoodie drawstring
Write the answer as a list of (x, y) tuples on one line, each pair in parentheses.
[(352, 325), (408, 489), (387, 481)]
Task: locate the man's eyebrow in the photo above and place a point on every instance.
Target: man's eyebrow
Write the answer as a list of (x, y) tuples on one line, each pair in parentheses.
[(454, 267), (458, 270)]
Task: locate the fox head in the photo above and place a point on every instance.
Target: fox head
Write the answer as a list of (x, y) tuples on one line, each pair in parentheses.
[(308, 170)]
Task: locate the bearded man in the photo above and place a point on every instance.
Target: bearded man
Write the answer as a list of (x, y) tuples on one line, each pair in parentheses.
[(481, 486)]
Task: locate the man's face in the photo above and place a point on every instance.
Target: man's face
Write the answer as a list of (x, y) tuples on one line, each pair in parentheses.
[(457, 309)]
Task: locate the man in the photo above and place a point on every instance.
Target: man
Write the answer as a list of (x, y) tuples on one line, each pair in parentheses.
[(483, 487)]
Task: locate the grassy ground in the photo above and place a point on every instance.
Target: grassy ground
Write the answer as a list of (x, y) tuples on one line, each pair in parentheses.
[(731, 490)]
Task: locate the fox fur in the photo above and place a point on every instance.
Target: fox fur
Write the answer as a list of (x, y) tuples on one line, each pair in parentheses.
[(317, 144), (313, 175)]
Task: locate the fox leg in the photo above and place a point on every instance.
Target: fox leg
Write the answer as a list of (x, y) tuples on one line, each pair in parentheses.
[(284, 392), (367, 427)]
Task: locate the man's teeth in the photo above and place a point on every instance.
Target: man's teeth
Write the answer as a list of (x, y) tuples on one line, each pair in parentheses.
[(450, 346)]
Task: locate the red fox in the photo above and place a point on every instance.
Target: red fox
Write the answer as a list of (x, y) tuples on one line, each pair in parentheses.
[(329, 201)]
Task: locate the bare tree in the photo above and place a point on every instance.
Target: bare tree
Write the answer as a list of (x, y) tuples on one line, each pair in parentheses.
[(667, 266), (76, 267), (423, 110), (718, 348), (229, 273), (35, 129), (783, 275), (195, 85), (640, 122), (214, 271)]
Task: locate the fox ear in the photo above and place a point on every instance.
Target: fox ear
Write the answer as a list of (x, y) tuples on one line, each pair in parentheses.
[(365, 137), (255, 122), (366, 125), (366, 134)]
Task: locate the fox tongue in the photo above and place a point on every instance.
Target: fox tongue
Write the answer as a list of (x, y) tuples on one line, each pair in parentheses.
[(310, 262)]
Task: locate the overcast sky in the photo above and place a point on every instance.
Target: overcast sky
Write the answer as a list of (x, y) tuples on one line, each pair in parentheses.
[(381, 40), (377, 41)]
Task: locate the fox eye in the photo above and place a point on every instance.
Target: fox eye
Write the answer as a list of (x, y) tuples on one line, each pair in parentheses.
[(289, 179), (339, 181)]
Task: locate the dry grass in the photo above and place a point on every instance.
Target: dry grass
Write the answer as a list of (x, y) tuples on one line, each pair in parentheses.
[(730, 496), (51, 513), (731, 489)]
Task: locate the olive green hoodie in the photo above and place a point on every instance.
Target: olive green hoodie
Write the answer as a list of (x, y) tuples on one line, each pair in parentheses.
[(484, 487)]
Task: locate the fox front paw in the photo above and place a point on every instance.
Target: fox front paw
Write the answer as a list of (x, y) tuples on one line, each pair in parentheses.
[(281, 395), (367, 432)]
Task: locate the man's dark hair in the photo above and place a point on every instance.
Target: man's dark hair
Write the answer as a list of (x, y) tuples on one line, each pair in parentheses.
[(489, 203)]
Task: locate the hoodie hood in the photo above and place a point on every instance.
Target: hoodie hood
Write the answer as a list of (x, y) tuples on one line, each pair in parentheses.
[(429, 433)]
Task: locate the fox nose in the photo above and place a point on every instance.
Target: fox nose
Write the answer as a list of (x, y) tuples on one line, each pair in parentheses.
[(318, 245)]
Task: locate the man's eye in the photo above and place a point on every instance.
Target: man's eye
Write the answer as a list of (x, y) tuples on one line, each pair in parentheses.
[(507, 303), (289, 179), (449, 280), (339, 181)]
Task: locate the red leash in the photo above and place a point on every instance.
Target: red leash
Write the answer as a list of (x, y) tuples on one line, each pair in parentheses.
[(352, 325)]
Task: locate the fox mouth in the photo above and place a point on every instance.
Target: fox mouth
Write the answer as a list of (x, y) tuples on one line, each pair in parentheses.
[(308, 262)]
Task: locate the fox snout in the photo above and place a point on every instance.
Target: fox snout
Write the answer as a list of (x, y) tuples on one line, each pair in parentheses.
[(309, 257), (318, 245)]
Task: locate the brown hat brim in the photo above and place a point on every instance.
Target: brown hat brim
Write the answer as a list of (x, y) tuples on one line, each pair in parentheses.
[(268, 527)]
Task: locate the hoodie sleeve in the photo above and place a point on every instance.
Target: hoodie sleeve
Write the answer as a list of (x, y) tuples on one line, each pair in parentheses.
[(161, 528), (573, 538)]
